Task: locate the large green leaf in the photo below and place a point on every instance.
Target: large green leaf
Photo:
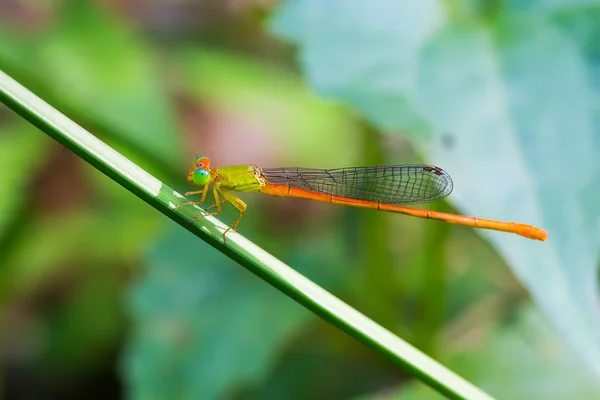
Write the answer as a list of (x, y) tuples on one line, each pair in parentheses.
[(363, 53), (202, 326), (508, 106)]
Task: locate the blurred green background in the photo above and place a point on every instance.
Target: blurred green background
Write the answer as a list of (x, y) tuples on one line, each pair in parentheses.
[(102, 296)]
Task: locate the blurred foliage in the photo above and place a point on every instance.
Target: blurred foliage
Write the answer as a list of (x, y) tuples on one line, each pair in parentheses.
[(21, 154), (525, 346), (100, 296), (191, 315), (503, 83), (109, 73)]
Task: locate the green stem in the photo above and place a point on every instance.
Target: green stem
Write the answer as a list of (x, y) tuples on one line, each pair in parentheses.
[(258, 261)]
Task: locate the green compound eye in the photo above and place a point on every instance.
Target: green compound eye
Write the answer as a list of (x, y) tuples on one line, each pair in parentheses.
[(201, 177)]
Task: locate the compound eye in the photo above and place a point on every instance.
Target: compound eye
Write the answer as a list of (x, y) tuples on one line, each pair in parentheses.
[(201, 177)]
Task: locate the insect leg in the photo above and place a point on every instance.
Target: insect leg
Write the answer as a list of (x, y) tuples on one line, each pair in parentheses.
[(238, 204), (204, 191)]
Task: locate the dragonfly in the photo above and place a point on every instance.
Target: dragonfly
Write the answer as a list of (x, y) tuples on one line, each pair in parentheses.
[(385, 188)]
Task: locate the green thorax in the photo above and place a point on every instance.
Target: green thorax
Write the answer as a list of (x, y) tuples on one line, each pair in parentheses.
[(241, 178)]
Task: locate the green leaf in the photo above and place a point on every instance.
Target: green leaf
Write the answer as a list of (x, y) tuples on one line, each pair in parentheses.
[(202, 324), (85, 325), (520, 104), (581, 26), (509, 109), (548, 6), (95, 66), (362, 54), (22, 152), (523, 360), (53, 242)]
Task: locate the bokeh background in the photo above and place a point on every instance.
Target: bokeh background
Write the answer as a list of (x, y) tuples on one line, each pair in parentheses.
[(101, 296)]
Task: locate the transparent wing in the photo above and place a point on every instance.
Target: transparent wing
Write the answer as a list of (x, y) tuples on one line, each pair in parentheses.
[(391, 184)]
